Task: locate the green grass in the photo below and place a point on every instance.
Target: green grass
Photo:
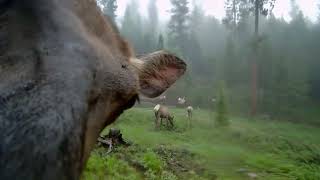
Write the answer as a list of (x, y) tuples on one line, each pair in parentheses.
[(270, 149)]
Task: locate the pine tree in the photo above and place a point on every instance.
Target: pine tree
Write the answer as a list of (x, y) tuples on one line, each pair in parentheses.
[(153, 17), (109, 8), (151, 27), (230, 63), (160, 42), (196, 18), (222, 118), (192, 48), (232, 15), (237, 12), (132, 27), (259, 8), (178, 25)]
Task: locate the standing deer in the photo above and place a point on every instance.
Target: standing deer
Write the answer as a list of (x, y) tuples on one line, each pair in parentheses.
[(162, 112), (65, 74), (189, 111)]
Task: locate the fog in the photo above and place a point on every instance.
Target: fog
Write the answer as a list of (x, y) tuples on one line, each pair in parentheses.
[(248, 106), (224, 51)]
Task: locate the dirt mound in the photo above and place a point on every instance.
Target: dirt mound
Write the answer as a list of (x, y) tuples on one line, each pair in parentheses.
[(182, 161), (178, 162)]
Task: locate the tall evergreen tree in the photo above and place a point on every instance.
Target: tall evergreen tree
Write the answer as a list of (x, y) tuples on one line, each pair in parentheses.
[(193, 47), (160, 42), (196, 18), (232, 15), (132, 26), (237, 12), (259, 7), (178, 24), (151, 27), (153, 16), (230, 63), (109, 8)]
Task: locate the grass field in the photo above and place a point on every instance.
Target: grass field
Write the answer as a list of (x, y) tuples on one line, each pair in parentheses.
[(248, 149)]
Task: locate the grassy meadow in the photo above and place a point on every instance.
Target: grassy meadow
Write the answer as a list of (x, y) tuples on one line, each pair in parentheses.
[(247, 149)]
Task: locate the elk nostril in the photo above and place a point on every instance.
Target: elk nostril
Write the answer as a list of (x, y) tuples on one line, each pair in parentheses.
[(124, 66)]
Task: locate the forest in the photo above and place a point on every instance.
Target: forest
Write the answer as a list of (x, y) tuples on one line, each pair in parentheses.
[(268, 65)]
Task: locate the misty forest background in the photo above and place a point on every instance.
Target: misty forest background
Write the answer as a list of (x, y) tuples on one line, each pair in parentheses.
[(269, 66)]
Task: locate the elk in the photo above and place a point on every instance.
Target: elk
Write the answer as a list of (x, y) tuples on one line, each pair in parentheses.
[(65, 74), (162, 112), (189, 113), (181, 102)]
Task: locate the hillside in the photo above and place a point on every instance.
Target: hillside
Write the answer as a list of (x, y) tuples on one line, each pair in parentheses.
[(257, 149)]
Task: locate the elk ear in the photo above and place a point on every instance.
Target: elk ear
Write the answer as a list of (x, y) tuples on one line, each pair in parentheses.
[(157, 72)]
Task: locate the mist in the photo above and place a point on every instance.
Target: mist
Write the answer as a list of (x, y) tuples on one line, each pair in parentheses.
[(221, 51), (248, 106)]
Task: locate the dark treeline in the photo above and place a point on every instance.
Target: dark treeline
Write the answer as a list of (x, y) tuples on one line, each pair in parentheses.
[(287, 57)]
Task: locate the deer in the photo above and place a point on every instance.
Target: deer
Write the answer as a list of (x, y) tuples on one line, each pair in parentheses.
[(162, 112), (189, 114)]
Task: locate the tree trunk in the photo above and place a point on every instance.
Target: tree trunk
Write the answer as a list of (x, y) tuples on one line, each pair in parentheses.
[(234, 13), (257, 10), (254, 70)]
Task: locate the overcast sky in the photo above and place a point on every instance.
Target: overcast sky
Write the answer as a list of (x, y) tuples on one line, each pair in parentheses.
[(216, 8)]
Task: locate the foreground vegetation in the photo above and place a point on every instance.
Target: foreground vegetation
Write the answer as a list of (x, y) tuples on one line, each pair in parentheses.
[(248, 148)]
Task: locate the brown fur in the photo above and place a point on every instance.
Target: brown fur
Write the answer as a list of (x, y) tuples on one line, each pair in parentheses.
[(163, 113), (65, 74), (155, 80)]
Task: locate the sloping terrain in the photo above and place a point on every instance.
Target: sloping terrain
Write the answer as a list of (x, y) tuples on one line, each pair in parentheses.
[(248, 149)]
